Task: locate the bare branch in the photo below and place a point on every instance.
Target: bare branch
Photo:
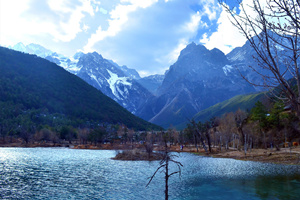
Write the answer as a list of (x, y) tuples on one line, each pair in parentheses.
[(273, 35), (151, 177)]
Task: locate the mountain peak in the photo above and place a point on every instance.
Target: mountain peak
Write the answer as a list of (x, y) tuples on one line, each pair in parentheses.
[(191, 48), (97, 54), (32, 49), (192, 44), (94, 55), (78, 55), (217, 52), (20, 44), (19, 47)]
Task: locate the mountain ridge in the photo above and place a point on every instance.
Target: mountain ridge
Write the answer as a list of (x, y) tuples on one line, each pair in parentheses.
[(198, 79), (117, 82), (36, 83)]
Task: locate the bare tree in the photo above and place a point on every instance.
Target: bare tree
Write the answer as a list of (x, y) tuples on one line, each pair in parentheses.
[(227, 127), (164, 165), (190, 131), (249, 130), (198, 132), (83, 135), (273, 33), (149, 144), (241, 118)]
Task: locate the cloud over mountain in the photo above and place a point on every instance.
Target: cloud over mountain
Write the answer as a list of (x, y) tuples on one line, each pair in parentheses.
[(143, 34)]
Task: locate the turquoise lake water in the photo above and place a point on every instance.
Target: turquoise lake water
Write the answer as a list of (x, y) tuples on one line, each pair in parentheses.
[(61, 173)]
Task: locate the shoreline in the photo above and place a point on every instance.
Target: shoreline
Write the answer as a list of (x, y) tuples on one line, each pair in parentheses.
[(284, 156)]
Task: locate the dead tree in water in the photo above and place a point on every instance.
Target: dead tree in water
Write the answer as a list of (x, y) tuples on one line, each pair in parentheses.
[(164, 165)]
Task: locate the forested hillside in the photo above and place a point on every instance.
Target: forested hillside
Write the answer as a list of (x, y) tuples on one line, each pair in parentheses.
[(35, 90)]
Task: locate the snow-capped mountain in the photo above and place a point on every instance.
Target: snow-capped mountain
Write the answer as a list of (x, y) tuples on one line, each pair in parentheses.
[(32, 49), (132, 73), (243, 57), (198, 79), (112, 81), (117, 82), (70, 64)]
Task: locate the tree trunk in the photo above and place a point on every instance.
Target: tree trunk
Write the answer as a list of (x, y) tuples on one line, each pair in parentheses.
[(265, 143), (195, 140), (250, 143), (208, 142), (245, 144), (167, 179), (233, 145), (220, 144)]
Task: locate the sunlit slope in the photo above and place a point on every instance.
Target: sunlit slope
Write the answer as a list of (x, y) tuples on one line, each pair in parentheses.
[(243, 102)]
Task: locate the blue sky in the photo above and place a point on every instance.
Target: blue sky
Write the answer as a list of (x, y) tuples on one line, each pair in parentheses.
[(146, 35)]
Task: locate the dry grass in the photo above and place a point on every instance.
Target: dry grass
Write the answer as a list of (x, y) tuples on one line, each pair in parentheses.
[(137, 154), (284, 156)]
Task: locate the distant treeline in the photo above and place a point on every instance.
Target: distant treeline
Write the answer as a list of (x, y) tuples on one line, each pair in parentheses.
[(267, 125)]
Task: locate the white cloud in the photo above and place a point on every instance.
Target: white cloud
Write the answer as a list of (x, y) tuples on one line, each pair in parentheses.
[(173, 55), (204, 39), (211, 11), (190, 28), (226, 37), (103, 11), (60, 20), (67, 31), (11, 22), (147, 35), (85, 27), (118, 18), (193, 25), (140, 3)]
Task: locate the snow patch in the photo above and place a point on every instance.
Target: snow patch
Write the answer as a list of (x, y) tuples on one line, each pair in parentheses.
[(114, 81), (95, 78), (239, 56), (227, 69)]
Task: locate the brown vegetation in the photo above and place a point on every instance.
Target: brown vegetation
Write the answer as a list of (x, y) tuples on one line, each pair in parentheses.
[(137, 154), (284, 156)]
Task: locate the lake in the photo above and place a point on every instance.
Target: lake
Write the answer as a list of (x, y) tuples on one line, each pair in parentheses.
[(62, 173)]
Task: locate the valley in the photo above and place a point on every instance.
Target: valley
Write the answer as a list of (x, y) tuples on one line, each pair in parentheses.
[(196, 81), (148, 99)]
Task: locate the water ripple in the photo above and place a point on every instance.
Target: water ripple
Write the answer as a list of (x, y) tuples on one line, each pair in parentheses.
[(50, 173)]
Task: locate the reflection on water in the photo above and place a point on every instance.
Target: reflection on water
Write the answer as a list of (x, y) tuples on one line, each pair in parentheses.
[(47, 173), (281, 187)]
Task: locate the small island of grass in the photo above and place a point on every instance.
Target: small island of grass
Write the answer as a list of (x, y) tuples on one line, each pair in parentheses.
[(137, 154)]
